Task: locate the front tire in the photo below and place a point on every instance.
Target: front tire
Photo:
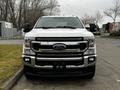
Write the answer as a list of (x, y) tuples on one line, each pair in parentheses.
[(91, 75), (28, 76)]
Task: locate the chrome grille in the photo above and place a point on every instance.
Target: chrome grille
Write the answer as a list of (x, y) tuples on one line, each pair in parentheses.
[(72, 49)]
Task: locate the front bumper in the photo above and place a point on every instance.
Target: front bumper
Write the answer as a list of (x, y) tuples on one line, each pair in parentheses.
[(85, 60), (59, 72), (59, 67)]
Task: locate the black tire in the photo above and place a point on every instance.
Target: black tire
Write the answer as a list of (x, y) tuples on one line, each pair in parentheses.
[(90, 76), (26, 74)]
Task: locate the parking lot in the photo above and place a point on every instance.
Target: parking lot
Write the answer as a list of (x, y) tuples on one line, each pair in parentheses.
[(107, 73)]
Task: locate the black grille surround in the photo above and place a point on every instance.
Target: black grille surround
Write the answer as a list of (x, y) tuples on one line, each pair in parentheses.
[(59, 39)]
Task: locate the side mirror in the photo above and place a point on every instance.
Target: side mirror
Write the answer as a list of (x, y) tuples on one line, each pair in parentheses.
[(27, 28)]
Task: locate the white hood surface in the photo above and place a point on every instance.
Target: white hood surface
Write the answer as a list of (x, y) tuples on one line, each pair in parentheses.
[(59, 32)]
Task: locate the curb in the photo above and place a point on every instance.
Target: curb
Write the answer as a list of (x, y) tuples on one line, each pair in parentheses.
[(12, 81)]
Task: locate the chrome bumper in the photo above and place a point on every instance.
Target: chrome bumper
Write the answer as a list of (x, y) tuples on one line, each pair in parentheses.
[(86, 63)]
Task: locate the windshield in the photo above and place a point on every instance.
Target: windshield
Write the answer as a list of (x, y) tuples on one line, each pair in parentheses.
[(59, 22)]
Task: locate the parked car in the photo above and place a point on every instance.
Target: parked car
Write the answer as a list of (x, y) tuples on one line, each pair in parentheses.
[(93, 28)]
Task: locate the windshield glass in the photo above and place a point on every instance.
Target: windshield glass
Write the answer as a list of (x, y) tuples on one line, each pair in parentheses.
[(59, 22)]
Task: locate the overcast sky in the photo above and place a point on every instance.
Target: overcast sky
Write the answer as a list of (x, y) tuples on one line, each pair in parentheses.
[(81, 7)]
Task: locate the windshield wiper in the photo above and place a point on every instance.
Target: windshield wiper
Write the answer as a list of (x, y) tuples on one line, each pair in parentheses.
[(66, 27)]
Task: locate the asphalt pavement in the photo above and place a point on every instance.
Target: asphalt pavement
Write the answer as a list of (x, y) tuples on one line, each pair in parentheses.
[(107, 73)]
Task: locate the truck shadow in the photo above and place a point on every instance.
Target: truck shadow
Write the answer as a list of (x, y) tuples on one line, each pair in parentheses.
[(81, 81)]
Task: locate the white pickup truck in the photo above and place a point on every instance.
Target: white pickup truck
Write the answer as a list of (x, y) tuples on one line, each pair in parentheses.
[(59, 46)]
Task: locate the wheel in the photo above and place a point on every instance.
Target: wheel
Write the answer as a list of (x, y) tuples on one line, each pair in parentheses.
[(90, 76), (26, 74)]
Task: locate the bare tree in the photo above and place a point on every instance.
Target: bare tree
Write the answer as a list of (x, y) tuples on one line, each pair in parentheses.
[(53, 8), (12, 12), (25, 11), (98, 17), (4, 9), (33, 9), (114, 11), (87, 19)]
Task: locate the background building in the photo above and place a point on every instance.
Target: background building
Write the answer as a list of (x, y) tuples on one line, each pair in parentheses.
[(117, 26), (6, 30)]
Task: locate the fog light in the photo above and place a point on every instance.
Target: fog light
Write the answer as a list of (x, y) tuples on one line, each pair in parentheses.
[(91, 59), (27, 60)]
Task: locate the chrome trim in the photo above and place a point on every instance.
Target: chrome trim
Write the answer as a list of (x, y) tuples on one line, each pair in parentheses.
[(55, 51), (67, 66), (59, 46), (52, 43), (44, 66), (73, 66), (84, 65), (33, 57), (56, 59)]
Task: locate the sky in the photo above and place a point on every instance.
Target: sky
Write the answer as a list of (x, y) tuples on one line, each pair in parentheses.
[(81, 7)]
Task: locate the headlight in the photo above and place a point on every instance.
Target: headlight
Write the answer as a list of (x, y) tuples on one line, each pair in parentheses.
[(91, 42), (27, 42), (28, 52)]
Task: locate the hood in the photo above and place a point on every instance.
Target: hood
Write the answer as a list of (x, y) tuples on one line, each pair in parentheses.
[(59, 33)]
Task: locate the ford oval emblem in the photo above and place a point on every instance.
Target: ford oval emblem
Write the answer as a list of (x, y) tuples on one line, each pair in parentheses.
[(59, 46)]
